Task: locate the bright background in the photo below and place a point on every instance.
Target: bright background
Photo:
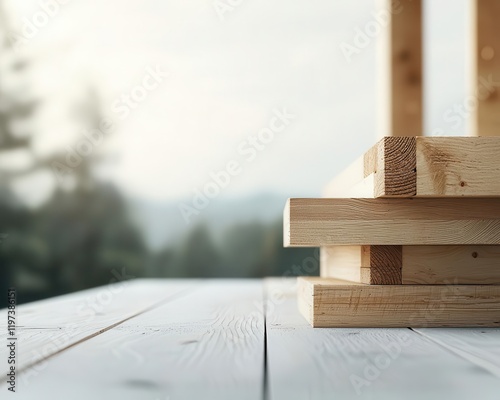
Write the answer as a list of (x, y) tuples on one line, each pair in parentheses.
[(64, 69)]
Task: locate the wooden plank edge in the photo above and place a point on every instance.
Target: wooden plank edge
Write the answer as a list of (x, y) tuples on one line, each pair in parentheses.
[(363, 313)]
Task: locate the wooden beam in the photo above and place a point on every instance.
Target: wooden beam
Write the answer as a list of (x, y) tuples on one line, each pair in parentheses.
[(332, 303), (401, 70), (423, 167), (485, 99), (409, 265), (323, 362), (374, 265), (329, 222)]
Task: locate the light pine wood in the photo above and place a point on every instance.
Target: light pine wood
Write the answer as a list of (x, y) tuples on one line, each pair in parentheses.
[(409, 265), (484, 102), (423, 167), (451, 265), (375, 265), (208, 344), (400, 68), (328, 222), (341, 262), (458, 167), (387, 169), (326, 302), (322, 364)]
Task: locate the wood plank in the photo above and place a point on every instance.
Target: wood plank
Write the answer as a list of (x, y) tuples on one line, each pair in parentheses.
[(484, 102), (374, 265), (409, 265), (325, 363), (50, 326), (329, 222), (387, 169), (478, 345), (208, 344), (327, 302), (459, 265), (401, 70), (458, 167), (341, 262), (423, 167)]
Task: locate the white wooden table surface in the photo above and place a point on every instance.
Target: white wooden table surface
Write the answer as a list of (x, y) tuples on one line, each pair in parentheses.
[(232, 339)]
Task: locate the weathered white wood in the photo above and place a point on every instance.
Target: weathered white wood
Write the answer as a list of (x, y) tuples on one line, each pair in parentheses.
[(479, 346), (307, 363), (49, 326), (208, 344)]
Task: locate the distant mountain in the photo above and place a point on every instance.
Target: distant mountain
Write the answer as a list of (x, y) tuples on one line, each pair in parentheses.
[(163, 223)]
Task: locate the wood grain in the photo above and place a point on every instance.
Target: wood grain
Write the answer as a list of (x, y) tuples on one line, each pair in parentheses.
[(477, 345), (396, 172), (423, 167), (451, 264), (324, 362), (485, 75), (401, 70), (381, 265), (207, 344), (341, 262), (448, 166), (374, 265), (333, 303), (328, 222), (51, 326), (410, 265)]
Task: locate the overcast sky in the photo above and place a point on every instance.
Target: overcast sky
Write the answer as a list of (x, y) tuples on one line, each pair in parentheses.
[(229, 70)]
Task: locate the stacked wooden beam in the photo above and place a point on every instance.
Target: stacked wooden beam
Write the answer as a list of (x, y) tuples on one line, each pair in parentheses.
[(409, 236)]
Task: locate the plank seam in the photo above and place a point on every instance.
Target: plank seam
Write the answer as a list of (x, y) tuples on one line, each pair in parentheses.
[(166, 300), (476, 360)]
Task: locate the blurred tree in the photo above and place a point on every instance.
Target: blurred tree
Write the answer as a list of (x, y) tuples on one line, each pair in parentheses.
[(82, 235), (199, 256), (280, 261), (243, 249)]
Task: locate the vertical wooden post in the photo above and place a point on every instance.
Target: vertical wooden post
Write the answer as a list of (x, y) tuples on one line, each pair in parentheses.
[(402, 70), (484, 102)]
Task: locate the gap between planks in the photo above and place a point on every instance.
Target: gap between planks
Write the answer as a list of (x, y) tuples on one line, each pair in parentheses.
[(472, 355), (172, 297), (209, 343), (305, 362)]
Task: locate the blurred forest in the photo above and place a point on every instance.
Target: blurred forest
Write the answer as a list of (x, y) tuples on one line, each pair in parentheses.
[(83, 235)]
